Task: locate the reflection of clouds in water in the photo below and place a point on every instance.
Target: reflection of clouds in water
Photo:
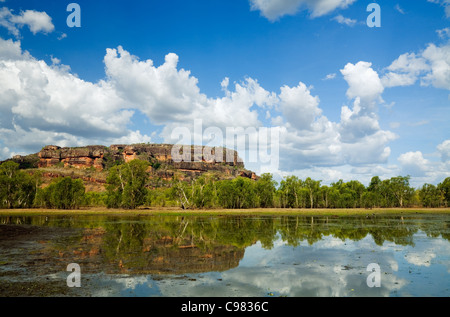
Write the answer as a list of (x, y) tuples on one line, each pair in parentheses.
[(428, 251), (420, 259), (327, 269), (122, 285), (330, 267), (130, 282)]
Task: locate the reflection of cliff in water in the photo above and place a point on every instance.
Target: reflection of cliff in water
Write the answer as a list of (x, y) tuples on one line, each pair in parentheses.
[(128, 249), (181, 245)]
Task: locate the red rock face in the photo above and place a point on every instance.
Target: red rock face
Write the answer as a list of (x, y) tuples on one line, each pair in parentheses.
[(99, 156), (85, 157)]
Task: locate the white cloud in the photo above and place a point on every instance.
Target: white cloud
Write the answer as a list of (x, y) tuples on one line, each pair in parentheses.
[(431, 66), (399, 9), (423, 170), (4, 153), (330, 76), (45, 104), (439, 60), (363, 140), (443, 33), (405, 70), (299, 107), (274, 9), (171, 96), (444, 151), (343, 20), (310, 139), (35, 20), (62, 36), (414, 164), (443, 3), (364, 83)]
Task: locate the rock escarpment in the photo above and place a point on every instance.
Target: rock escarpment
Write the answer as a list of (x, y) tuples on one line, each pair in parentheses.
[(200, 159), (84, 157)]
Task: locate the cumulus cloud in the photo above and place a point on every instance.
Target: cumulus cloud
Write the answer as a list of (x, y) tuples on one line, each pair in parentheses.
[(4, 152), (424, 170), (37, 22), (431, 67), (310, 139), (439, 61), (166, 94), (299, 107), (359, 126), (444, 151), (363, 83), (405, 70), (274, 9), (413, 163), (46, 104)]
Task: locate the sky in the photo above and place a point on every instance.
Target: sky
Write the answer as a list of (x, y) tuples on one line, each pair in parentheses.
[(343, 100)]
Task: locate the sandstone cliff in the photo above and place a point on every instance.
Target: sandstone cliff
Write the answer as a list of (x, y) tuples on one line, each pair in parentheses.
[(100, 158)]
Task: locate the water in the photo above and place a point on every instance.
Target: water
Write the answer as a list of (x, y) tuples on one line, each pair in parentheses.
[(230, 256)]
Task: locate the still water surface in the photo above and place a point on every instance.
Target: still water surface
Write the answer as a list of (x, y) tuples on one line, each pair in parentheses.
[(225, 256)]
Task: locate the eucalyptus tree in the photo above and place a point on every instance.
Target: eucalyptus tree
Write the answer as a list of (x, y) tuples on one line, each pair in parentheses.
[(265, 189), (430, 196), (444, 189), (289, 192), (312, 187), (126, 185), (17, 188), (401, 190)]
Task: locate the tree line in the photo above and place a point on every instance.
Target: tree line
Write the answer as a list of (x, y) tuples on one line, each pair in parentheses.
[(129, 187)]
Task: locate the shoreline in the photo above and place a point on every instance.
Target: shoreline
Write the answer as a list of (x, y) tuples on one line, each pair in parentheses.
[(174, 211)]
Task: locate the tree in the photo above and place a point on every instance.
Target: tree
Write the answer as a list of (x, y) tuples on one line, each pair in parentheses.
[(289, 192), (244, 192), (401, 190), (312, 187), (324, 196), (181, 192), (225, 194), (369, 199), (203, 192), (8, 182), (17, 188), (238, 193), (444, 189), (62, 193), (68, 193), (126, 185), (375, 193), (357, 190), (430, 196), (265, 189)]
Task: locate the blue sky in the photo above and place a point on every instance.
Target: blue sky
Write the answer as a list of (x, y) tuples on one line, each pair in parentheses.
[(351, 101)]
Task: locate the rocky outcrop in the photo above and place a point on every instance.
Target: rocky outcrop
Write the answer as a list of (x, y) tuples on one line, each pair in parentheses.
[(192, 162), (83, 157)]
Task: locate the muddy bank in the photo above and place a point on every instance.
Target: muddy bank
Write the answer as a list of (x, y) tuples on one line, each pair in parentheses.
[(25, 267)]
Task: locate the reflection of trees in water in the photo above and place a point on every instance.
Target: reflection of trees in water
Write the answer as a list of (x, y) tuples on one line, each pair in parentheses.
[(294, 230), (129, 233), (198, 244)]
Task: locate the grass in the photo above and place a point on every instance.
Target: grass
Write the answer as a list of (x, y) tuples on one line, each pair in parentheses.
[(224, 212)]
